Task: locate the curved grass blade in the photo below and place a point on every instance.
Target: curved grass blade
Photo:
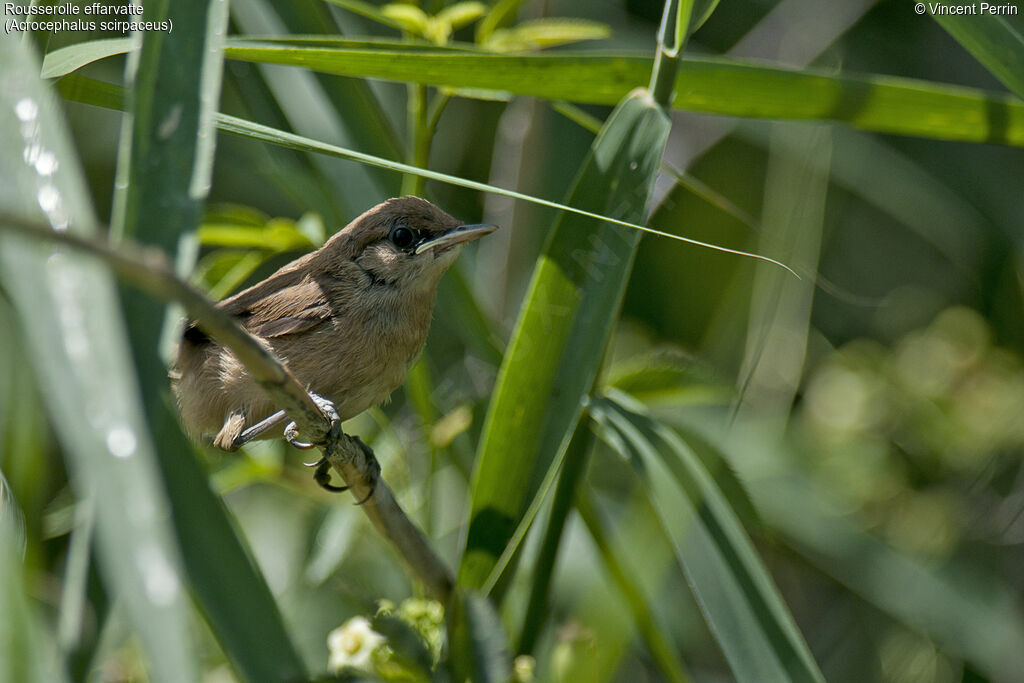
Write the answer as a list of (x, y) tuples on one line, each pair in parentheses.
[(734, 590), (237, 126), (89, 91), (562, 330), (713, 85)]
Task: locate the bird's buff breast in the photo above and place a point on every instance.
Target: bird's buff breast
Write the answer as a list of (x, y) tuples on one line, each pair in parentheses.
[(380, 347)]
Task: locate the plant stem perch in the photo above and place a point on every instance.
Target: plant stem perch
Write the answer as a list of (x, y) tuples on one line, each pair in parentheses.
[(149, 270)]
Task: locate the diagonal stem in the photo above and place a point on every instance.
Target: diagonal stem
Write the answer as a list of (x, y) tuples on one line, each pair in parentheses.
[(149, 270)]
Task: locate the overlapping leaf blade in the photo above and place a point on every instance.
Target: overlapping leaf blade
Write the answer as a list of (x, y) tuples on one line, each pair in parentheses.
[(948, 603), (734, 590)]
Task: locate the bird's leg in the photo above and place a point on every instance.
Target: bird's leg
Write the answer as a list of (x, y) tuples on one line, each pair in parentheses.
[(252, 432), (322, 475)]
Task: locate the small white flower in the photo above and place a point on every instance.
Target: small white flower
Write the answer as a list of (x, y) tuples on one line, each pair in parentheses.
[(352, 645)]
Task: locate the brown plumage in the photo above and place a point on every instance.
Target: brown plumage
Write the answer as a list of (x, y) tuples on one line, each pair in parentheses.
[(349, 320)]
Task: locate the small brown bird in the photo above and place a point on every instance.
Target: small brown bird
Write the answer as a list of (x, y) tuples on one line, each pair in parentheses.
[(349, 320)]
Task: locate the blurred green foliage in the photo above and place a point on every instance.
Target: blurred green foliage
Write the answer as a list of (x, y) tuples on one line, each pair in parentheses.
[(835, 460)]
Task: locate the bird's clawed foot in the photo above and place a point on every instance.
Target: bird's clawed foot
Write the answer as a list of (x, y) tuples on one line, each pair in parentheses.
[(322, 476), (336, 443), (291, 435)]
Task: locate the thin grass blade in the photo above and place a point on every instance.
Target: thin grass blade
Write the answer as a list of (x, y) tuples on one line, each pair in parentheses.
[(90, 91)]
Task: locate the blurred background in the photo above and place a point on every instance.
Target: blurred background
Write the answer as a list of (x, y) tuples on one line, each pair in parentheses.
[(865, 423)]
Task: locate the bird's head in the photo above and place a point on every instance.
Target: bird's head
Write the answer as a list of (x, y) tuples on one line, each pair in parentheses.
[(403, 241)]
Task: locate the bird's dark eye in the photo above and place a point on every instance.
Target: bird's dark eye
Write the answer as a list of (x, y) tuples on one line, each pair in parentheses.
[(403, 237)]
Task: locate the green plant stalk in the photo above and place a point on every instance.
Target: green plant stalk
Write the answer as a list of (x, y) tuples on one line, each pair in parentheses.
[(419, 138), (418, 389), (422, 126), (543, 571)]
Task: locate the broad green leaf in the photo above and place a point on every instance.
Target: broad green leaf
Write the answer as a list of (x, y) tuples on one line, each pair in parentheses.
[(714, 85), (67, 59), (562, 330), (735, 592), (993, 40), (163, 178), (71, 318), (542, 33)]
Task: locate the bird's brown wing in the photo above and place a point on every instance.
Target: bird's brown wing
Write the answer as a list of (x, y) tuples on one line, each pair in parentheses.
[(287, 302), (290, 310)]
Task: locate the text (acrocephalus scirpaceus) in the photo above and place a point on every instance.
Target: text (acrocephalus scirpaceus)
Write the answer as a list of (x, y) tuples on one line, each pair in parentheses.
[(69, 16)]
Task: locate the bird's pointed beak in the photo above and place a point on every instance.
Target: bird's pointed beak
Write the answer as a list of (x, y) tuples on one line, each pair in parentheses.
[(455, 237)]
